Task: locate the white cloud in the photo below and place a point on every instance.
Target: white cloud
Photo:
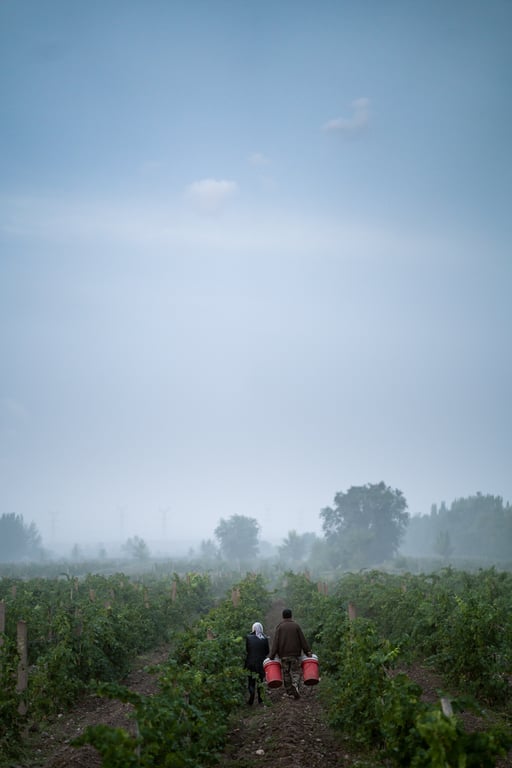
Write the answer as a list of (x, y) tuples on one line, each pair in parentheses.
[(354, 125), (210, 195)]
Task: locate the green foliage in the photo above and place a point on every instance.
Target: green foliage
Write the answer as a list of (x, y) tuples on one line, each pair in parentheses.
[(117, 748), (307, 603), (10, 723), (420, 735), (360, 681), (443, 742), (461, 622), (365, 526), (80, 631), (377, 708), (184, 724), (53, 681), (397, 710), (472, 651)]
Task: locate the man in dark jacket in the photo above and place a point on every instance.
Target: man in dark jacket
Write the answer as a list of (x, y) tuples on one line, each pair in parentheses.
[(256, 648), (289, 644)]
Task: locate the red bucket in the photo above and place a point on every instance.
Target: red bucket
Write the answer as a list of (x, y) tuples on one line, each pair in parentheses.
[(273, 673), (310, 671)]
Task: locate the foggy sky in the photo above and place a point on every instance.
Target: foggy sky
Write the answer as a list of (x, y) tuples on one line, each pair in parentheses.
[(251, 256)]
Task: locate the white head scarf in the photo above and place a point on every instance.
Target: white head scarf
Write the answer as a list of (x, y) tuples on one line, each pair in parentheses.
[(257, 628)]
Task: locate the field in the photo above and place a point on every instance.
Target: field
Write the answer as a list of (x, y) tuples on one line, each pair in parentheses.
[(391, 647)]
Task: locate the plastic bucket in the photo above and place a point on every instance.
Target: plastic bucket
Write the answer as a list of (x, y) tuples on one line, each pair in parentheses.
[(310, 671), (273, 673)]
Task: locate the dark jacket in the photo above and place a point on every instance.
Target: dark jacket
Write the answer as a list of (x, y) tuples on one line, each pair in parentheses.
[(256, 652), (289, 640)]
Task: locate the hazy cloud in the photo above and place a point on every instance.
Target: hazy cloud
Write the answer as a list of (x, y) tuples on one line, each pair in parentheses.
[(156, 225), (259, 159), (354, 125), (210, 195)]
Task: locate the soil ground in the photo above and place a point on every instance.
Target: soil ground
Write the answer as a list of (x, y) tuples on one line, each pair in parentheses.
[(281, 733)]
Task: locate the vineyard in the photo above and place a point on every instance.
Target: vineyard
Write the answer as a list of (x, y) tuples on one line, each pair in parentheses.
[(65, 637)]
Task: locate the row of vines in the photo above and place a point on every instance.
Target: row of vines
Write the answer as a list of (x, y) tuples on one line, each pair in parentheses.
[(80, 632), (458, 624)]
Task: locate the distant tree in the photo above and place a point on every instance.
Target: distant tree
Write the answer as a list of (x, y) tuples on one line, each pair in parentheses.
[(238, 538), (365, 526), (18, 540), (209, 550), (478, 526), (443, 545), (320, 558), (137, 548), (296, 547)]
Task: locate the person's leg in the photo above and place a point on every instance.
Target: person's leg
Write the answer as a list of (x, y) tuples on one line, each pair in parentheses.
[(252, 687), (259, 686), (287, 680), (287, 665), (295, 673)]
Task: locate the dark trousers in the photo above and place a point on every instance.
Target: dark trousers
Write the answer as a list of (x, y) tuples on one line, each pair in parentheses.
[(254, 681)]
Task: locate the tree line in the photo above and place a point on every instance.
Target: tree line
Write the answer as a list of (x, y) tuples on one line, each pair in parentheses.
[(366, 526)]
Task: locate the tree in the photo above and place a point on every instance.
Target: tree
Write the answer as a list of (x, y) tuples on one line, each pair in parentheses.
[(76, 553), (209, 552), (238, 537), (18, 540), (478, 526), (365, 526), (137, 548), (443, 545), (296, 547)]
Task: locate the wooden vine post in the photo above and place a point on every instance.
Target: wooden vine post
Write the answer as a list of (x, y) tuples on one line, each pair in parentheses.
[(235, 597), (352, 612), (21, 687)]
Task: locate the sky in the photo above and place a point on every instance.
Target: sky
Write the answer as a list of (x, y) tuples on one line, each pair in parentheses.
[(251, 254)]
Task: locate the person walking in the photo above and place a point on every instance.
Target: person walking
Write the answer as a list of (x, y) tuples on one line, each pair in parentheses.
[(256, 651), (289, 644)]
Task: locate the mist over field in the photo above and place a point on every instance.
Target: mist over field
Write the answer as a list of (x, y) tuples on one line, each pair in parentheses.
[(251, 257)]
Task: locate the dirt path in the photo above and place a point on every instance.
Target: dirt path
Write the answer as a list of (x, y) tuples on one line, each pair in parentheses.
[(283, 732), (51, 747)]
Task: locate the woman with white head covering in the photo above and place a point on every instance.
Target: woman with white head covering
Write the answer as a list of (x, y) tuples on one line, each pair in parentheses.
[(257, 649)]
